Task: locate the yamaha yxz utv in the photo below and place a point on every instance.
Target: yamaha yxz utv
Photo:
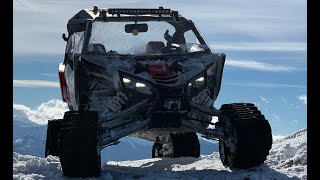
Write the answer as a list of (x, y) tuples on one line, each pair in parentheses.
[(147, 73)]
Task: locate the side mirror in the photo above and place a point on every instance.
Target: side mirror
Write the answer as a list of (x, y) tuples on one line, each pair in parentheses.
[(136, 28)]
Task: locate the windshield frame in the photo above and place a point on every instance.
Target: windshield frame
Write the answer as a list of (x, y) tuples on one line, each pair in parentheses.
[(168, 19)]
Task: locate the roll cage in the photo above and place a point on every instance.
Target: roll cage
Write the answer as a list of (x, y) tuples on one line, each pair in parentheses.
[(83, 20)]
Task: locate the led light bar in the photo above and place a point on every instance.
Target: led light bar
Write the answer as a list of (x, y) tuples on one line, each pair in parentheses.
[(139, 11)]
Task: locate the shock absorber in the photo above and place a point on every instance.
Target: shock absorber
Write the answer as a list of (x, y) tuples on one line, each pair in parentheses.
[(203, 99), (117, 102)]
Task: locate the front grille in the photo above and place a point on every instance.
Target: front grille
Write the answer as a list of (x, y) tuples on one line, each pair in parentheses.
[(162, 73), (165, 79)]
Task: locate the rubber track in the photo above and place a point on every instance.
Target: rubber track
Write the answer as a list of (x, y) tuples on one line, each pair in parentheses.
[(254, 138), (78, 145)]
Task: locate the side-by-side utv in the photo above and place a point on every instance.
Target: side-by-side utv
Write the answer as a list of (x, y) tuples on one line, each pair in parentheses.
[(147, 73)]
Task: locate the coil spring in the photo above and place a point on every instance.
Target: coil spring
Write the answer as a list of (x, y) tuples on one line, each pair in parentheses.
[(117, 102), (203, 99)]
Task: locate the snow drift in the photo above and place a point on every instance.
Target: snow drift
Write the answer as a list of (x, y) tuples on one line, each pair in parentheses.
[(287, 160)]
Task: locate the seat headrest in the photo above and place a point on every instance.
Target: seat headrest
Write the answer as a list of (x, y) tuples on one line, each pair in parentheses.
[(154, 47)]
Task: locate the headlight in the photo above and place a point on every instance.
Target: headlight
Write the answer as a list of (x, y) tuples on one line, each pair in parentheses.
[(197, 83), (136, 86), (196, 86), (126, 81), (140, 85), (201, 79)]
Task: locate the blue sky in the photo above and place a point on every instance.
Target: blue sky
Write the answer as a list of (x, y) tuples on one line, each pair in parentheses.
[(265, 43)]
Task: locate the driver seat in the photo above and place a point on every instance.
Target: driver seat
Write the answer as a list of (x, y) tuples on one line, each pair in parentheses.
[(154, 47)]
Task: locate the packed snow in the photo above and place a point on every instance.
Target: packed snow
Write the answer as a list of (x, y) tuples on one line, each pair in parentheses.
[(287, 160)]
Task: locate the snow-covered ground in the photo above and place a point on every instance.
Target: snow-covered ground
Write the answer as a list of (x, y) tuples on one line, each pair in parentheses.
[(287, 160)]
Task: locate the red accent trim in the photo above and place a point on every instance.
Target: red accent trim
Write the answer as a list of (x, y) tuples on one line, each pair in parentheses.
[(158, 69), (63, 84), (161, 73)]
